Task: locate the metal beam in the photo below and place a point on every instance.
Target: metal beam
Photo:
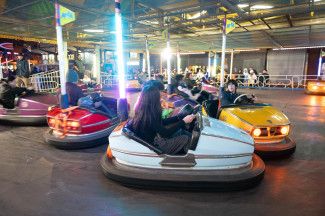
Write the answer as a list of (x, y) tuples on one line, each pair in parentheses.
[(289, 20), (274, 42), (266, 23), (20, 6)]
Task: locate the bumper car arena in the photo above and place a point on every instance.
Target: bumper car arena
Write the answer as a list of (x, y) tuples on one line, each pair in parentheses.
[(162, 107)]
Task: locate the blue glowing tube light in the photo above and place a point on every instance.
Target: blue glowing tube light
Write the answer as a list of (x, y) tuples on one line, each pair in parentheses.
[(119, 49)]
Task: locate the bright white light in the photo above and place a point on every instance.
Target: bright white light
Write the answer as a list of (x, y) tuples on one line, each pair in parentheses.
[(315, 0), (295, 48), (166, 53), (133, 63), (261, 7), (192, 53), (319, 64), (197, 15), (94, 30), (242, 5), (168, 57), (119, 50)]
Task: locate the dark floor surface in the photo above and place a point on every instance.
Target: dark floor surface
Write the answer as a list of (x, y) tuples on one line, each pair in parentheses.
[(37, 179)]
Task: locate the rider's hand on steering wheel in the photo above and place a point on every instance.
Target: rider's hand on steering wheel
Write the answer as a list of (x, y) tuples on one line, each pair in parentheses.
[(189, 118)]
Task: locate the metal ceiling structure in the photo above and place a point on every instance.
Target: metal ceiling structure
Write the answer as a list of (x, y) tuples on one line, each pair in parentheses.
[(193, 24)]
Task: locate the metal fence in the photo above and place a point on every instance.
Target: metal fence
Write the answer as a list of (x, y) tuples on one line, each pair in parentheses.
[(275, 81), (46, 81), (111, 81), (50, 81)]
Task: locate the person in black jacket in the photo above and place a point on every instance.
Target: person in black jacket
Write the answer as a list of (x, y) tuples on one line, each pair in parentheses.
[(22, 71), (147, 123), (9, 91), (230, 94)]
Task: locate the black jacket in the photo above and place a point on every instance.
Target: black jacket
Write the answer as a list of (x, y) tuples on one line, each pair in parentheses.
[(227, 97), (22, 68), (9, 93), (165, 129)]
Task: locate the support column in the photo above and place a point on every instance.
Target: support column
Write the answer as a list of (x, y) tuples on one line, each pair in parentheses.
[(148, 59), (231, 62), (96, 64), (178, 60), (122, 105), (222, 75), (64, 102)]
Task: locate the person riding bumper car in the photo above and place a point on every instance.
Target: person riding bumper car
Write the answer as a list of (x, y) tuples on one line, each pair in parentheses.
[(23, 106)]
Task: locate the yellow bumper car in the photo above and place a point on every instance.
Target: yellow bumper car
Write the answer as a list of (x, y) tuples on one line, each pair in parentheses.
[(268, 126)]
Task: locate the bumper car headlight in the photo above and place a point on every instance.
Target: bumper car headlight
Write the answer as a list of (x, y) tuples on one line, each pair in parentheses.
[(257, 132), (285, 130)]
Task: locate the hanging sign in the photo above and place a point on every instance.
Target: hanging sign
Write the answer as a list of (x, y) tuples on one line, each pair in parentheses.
[(230, 25), (65, 15)]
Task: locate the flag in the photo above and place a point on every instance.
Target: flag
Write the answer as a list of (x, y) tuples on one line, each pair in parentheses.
[(230, 25), (66, 15), (8, 46)]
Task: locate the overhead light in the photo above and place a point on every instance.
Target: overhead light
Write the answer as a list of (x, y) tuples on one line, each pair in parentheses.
[(94, 30), (197, 15), (261, 7), (134, 63), (295, 48), (315, 0), (242, 5), (246, 50), (191, 53)]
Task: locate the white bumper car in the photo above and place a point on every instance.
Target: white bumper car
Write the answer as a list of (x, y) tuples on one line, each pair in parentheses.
[(220, 157)]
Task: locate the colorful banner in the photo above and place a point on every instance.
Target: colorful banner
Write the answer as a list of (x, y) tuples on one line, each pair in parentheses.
[(230, 25), (66, 15)]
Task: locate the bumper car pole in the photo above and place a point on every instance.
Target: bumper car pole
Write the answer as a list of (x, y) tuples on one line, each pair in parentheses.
[(64, 102), (222, 77), (169, 73), (122, 105)]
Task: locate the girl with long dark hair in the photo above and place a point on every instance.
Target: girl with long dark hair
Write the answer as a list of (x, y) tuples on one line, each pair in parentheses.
[(147, 123)]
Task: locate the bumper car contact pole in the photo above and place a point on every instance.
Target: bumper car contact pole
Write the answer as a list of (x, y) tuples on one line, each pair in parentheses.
[(122, 105), (223, 52), (64, 102), (169, 73), (148, 58)]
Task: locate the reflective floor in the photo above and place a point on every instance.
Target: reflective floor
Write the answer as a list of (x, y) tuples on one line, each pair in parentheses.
[(37, 179)]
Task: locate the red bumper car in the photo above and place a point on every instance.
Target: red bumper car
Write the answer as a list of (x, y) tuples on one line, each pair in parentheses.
[(80, 127)]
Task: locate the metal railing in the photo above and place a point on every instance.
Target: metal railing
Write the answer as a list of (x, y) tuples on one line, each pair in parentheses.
[(111, 81), (273, 81), (46, 81), (50, 81)]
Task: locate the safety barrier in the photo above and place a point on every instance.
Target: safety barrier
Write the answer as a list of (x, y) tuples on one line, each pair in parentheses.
[(46, 81), (111, 81), (274, 81)]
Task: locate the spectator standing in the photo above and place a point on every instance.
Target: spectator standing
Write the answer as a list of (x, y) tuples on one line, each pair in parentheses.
[(22, 71)]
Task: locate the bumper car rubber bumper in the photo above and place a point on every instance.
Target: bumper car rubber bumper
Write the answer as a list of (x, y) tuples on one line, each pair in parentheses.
[(219, 180), (274, 150), (78, 141)]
